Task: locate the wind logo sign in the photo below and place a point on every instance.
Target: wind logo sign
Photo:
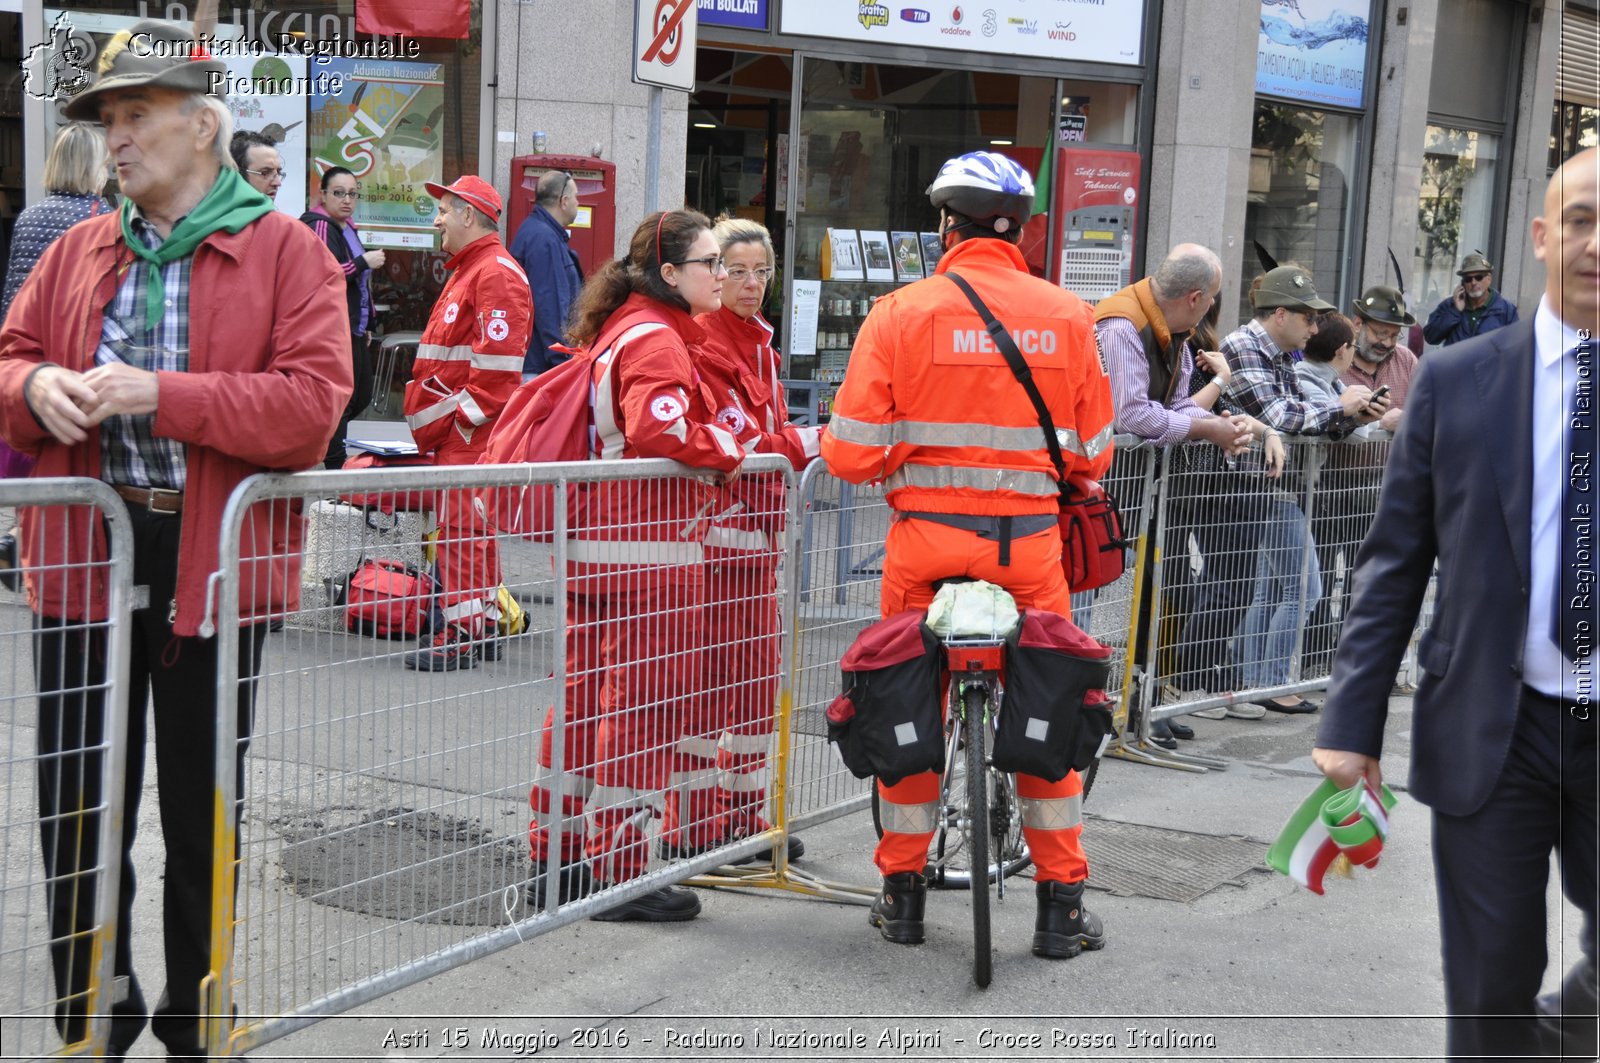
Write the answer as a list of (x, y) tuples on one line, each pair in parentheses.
[(58, 69), (870, 15)]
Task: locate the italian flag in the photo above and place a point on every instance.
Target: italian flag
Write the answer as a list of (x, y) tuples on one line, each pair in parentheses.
[(1330, 824)]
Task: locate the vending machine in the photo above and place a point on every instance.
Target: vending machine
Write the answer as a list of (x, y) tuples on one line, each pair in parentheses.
[(1096, 202)]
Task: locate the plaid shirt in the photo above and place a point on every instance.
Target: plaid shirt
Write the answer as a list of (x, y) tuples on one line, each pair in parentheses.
[(1264, 386), (130, 451)]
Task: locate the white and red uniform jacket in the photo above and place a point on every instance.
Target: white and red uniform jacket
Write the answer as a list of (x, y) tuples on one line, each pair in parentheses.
[(470, 358), (651, 402), (740, 368)]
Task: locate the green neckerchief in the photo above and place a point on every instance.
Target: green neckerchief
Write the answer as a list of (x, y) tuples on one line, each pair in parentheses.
[(230, 205)]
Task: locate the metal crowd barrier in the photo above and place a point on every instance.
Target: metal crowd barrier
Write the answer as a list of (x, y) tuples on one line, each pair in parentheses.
[(384, 821), (1251, 573), (63, 691)]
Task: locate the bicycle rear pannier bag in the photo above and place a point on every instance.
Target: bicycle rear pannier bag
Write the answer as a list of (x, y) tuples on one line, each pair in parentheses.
[(1055, 712), (1093, 551), (888, 722)]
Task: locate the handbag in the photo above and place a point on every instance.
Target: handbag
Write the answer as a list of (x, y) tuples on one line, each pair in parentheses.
[(1092, 544)]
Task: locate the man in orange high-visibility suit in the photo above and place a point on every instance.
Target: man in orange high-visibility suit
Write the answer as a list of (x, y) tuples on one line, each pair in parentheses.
[(468, 364), (930, 407)]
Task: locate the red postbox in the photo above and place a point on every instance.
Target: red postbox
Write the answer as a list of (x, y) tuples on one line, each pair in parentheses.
[(594, 233)]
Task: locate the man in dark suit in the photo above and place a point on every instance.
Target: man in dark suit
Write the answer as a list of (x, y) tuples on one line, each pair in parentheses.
[(1490, 476)]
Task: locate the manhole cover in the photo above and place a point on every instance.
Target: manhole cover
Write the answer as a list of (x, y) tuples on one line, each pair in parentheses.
[(403, 864), (1132, 860)]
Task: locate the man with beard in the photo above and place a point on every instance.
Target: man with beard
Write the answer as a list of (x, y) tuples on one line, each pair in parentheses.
[(1381, 358)]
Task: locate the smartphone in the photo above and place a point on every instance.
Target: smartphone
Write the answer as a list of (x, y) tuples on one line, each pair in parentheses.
[(1381, 392)]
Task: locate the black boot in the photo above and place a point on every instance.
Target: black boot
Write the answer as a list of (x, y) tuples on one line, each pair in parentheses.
[(897, 913), (665, 905), (1064, 927), (573, 883)]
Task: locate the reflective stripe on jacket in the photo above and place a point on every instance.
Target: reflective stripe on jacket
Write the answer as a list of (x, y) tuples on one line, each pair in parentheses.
[(929, 405), (470, 358)]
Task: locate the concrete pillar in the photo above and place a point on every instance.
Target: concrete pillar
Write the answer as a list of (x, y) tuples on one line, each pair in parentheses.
[(1521, 275), (1399, 116), (573, 81), (1200, 148)]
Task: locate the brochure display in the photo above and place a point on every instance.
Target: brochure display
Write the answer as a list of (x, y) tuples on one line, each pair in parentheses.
[(875, 251), (907, 250), (841, 256)]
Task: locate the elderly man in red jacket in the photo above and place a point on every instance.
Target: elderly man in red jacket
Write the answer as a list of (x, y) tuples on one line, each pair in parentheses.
[(171, 350)]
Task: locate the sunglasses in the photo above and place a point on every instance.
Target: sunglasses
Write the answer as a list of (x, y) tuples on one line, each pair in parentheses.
[(1474, 277)]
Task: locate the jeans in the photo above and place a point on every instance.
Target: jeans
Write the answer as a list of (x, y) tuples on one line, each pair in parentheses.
[(1284, 596)]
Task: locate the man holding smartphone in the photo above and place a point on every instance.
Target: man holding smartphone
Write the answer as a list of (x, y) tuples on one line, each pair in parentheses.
[(1472, 309), (1382, 363)]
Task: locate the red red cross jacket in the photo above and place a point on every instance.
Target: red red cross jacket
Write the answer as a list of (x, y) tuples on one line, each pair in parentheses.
[(470, 358)]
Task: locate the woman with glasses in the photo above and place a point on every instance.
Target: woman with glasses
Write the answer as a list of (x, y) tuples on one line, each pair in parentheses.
[(330, 218), (723, 763), (637, 634)]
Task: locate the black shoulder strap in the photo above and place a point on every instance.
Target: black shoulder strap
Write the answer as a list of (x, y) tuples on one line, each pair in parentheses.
[(1019, 366)]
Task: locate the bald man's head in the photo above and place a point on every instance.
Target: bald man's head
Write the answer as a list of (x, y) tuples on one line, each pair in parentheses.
[(1565, 240), (1185, 285)]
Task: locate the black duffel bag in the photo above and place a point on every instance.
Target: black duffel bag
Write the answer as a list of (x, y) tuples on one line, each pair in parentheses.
[(888, 721), (1055, 714)]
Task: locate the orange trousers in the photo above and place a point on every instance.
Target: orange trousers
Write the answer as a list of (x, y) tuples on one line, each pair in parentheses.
[(918, 553)]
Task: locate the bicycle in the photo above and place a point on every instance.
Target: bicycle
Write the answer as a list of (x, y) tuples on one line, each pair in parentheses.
[(980, 817)]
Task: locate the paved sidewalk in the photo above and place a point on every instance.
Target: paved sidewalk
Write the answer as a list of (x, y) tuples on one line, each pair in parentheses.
[(1257, 970)]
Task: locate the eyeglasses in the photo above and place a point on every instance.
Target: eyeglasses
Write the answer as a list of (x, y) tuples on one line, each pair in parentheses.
[(1474, 277), (268, 175), (710, 262), (339, 193), (738, 274)]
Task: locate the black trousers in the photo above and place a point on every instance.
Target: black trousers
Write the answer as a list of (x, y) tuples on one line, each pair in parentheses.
[(1492, 869), (176, 677), (361, 365), (1224, 513)]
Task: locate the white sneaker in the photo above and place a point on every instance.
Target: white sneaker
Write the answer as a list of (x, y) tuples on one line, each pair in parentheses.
[(1215, 714), (1244, 710)]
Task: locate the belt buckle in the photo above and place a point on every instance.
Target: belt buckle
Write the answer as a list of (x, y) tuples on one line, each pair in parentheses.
[(158, 493)]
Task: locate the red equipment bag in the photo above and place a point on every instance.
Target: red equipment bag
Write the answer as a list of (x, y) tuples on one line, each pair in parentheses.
[(388, 599), (1055, 714), (888, 722), (388, 502), (1093, 551)]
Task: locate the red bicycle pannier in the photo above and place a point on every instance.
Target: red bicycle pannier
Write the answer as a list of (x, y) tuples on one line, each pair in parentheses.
[(1055, 715), (888, 722)]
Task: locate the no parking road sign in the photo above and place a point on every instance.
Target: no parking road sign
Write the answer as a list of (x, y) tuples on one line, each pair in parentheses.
[(663, 43)]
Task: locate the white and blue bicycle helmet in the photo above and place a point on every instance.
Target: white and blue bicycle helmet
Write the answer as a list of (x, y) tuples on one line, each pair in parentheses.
[(987, 187)]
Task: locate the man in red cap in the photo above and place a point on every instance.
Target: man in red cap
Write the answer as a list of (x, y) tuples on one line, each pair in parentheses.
[(468, 364)]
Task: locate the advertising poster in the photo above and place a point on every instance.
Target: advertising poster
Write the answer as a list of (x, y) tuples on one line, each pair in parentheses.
[(276, 113), (745, 14), (1097, 207), (1097, 32), (383, 122), (875, 251), (1313, 50), (907, 257)]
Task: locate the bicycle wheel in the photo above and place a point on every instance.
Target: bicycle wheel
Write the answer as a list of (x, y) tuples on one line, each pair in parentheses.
[(976, 826), (949, 864)]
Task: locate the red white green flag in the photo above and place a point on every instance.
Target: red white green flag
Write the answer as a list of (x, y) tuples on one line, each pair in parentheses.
[(1330, 824)]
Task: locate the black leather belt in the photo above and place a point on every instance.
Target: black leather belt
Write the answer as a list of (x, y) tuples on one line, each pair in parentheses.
[(1001, 529), (154, 499)]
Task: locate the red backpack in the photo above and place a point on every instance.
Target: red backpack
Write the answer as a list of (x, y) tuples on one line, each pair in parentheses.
[(551, 418), (388, 599)]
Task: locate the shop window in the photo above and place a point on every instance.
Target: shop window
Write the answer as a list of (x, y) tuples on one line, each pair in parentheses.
[(1455, 210), (1301, 169)]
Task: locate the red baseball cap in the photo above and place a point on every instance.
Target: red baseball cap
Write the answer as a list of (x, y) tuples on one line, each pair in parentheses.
[(474, 190)]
